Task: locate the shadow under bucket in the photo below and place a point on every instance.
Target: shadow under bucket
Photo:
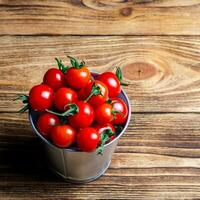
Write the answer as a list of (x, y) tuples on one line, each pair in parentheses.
[(77, 166)]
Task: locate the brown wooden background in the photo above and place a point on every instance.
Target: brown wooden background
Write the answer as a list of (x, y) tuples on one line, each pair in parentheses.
[(157, 44)]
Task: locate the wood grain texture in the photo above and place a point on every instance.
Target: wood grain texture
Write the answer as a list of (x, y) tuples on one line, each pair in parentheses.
[(160, 134), (163, 72), (157, 158), (100, 17)]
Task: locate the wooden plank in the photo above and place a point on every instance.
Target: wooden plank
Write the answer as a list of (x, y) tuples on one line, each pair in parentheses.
[(157, 158), (34, 17), (159, 134), (163, 72), (60, 190)]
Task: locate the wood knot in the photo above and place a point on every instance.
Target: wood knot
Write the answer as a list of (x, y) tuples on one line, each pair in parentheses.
[(126, 11), (139, 71)]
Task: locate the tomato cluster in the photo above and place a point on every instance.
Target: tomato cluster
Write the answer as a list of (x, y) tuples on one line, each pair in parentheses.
[(77, 109)]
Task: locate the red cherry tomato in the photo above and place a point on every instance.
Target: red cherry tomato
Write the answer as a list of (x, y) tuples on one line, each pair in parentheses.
[(100, 98), (103, 113), (77, 78), (63, 97), (45, 123), (112, 83), (63, 136), (101, 128), (81, 94), (88, 139), (41, 97), (54, 78), (84, 117), (119, 106)]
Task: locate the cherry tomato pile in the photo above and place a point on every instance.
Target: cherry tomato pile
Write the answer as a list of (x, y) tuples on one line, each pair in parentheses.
[(75, 109)]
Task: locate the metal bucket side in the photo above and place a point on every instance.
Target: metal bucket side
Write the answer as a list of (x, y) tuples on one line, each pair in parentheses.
[(77, 166), (81, 166)]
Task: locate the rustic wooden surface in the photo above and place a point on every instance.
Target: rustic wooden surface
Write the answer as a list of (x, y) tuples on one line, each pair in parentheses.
[(157, 44), (100, 17)]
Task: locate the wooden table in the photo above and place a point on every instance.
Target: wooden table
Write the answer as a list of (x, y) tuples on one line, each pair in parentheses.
[(157, 44)]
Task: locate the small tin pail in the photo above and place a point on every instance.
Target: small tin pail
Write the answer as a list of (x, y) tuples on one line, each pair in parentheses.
[(76, 166)]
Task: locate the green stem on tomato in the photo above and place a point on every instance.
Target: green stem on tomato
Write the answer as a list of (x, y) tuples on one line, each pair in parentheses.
[(73, 109), (124, 84), (120, 76), (94, 92), (105, 137), (114, 112), (25, 108), (25, 99), (22, 97), (75, 63), (61, 66)]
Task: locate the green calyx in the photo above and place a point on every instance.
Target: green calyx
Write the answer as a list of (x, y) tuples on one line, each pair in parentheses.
[(115, 112), (61, 66), (105, 137), (73, 109), (75, 63), (94, 92), (120, 76), (24, 98)]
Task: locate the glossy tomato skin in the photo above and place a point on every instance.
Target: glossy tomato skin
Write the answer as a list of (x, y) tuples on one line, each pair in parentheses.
[(112, 137), (63, 136), (41, 97), (88, 139), (103, 113), (100, 98), (45, 123), (54, 78), (101, 128), (81, 93), (112, 83), (84, 117), (119, 105), (64, 96), (77, 78)]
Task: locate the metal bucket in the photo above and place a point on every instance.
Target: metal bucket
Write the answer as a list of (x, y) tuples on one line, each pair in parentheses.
[(76, 166)]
